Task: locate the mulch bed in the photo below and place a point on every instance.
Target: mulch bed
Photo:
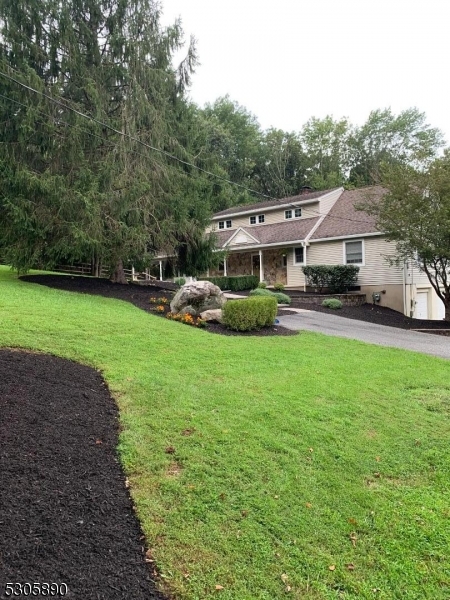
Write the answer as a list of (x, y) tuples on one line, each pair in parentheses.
[(66, 516), (139, 295)]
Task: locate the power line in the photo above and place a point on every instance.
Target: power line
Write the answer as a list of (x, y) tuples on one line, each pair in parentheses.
[(131, 137), (164, 152)]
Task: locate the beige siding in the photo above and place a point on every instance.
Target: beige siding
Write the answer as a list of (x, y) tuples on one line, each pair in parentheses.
[(295, 275), (376, 269), (327, 203), (273, 216)]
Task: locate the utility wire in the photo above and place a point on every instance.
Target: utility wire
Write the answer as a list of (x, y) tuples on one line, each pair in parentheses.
[(150, 147)]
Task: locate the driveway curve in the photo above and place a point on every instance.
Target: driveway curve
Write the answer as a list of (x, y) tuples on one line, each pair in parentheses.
[(381, 335)]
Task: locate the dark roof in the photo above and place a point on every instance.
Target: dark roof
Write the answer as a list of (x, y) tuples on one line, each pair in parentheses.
[(270, 203), (274, 233), (343, 219)]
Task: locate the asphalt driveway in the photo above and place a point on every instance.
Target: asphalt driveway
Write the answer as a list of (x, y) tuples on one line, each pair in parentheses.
[(309, 320)]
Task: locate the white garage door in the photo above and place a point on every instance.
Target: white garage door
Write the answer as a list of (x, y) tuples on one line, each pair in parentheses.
[(421, 311)]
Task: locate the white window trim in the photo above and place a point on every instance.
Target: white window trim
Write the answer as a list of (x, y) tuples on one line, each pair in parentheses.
[(228, 226), (264, 219), (294, 258), (344, 257), (250, 220), (288, 218)]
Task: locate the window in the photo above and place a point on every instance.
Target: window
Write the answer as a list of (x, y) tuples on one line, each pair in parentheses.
[(298, 212), (353, 253), (261, 218), (288, 214), (299, 255), (284, 260), (252, 220), (223, 224)]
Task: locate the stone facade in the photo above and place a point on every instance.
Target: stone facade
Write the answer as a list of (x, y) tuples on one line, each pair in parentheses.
[(274, 271), (240, 263)]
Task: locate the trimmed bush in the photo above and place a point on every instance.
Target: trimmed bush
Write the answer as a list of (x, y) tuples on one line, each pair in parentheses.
[(234, 284), (337, 278), (332, 303), (281, 298), (249, 314), (262, 285), (278, 287), (180, 281)]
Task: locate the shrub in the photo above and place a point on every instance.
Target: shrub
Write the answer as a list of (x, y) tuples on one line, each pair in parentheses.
[(281, 298), (338, 278), (332, 303), (278, 287), (180, 281), (262, 285), (248, 314), (235, 284)]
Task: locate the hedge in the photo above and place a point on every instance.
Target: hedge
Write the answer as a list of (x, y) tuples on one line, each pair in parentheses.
[(281, 298), (249, 314), (235, 284), (332, 303), (337, 278)]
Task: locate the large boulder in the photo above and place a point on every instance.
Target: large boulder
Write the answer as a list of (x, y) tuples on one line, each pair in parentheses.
[(197, 297), (212, 315)]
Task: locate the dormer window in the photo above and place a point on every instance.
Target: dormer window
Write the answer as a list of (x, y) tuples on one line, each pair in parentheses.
[(289, 214), (257, 219), (225, 224)]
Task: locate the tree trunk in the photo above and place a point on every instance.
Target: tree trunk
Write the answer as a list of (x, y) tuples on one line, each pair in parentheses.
[(447, 312), (118, 275)]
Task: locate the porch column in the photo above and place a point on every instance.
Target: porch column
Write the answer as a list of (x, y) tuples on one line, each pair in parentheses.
[(133, 274), (261, 266), (160, 270), (225, 267)]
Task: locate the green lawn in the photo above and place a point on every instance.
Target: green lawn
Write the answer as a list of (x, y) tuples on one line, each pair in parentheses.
[(292, 454)]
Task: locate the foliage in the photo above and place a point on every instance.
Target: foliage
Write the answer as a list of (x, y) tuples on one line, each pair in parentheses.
[(289, 449), (235, 283), (187, 319), (389, 139), (281, 298), (180, 281), (332, 303), (337, 278), (415, 214), (278, 287), (249, 314), (262, 284), (75, 189), (196, 253)]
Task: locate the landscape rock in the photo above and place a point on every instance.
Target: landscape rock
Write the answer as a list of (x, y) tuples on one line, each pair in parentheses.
[(212, 315), (199, 296)]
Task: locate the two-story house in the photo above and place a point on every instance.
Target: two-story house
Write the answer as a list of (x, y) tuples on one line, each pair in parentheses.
[(274, 239)]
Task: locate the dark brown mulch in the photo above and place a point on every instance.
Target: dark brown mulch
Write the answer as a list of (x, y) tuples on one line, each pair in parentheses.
[(65, 513), (138, 295)]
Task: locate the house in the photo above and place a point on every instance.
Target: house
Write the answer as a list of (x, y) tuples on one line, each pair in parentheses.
[(274, 239)]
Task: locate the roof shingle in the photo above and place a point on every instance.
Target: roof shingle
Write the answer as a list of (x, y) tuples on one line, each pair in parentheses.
[(343, 219)]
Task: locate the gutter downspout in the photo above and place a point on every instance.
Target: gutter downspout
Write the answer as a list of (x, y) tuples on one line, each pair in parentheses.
[(404, 290)]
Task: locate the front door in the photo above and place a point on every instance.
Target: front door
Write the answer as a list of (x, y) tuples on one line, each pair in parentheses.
[(255, 265)]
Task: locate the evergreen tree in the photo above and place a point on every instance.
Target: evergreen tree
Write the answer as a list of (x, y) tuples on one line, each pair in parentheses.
[(74, 188)]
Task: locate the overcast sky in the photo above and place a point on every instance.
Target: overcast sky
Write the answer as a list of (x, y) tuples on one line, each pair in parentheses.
[(289, 60)]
